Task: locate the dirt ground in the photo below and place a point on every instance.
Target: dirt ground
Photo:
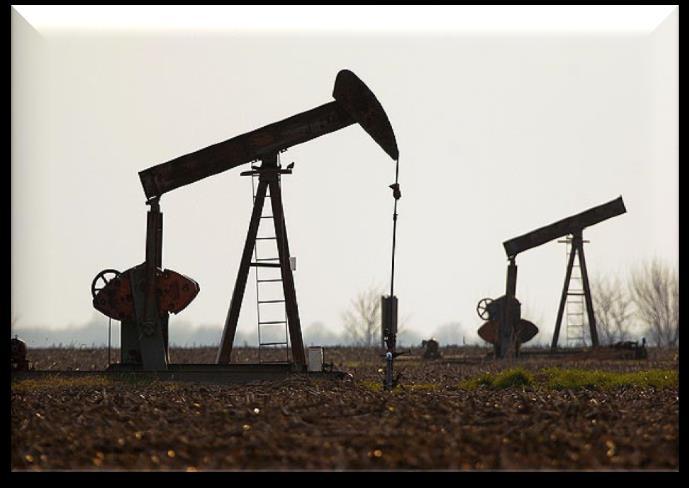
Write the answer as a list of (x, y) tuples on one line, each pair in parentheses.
[(428, 423)]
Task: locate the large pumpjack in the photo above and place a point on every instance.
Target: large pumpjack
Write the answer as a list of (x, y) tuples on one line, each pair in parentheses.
[(143, 297)]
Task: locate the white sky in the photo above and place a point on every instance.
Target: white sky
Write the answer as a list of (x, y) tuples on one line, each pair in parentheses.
[(529, 120), (359, 18)]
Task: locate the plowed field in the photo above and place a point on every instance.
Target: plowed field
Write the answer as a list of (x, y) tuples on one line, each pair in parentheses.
[(433, 420)]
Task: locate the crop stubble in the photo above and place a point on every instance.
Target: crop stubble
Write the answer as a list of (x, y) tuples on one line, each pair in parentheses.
[(300, 423)]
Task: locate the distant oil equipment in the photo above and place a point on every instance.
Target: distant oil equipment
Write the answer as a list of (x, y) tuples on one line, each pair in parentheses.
[(18, 352), (143, 297), (431, 349), (505, 328)]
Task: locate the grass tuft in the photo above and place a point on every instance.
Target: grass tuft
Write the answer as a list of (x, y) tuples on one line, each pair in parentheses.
[(372, 385), (512, 378), (422, 386), (484, 380), (378, 386)]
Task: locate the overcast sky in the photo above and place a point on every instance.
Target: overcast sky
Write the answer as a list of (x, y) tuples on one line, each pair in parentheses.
[(498, 134)]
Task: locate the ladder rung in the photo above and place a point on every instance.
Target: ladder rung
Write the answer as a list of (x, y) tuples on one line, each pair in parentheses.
[(266, 281), (267, 259), (266, 216), (273, 322), (265, 238), (271, 301), (265, 265), (272, 344), (576, 294)]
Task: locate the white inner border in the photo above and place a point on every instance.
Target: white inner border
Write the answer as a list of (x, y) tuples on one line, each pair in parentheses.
[(638, 19)]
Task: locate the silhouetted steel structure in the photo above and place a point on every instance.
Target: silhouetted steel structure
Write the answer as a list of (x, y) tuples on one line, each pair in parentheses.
[(143, 296), (431, 349), (18, 361), (354, 103), (507, 315)]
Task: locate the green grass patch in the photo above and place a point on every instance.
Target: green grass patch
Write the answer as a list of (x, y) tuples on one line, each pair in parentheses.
[(573, 379), (421, 387), (484, 380), (514, 377), (509, 378), (372, 385)]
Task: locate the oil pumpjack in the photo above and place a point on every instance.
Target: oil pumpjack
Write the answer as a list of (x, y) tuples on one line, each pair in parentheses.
[(505, 328), (142, 297)]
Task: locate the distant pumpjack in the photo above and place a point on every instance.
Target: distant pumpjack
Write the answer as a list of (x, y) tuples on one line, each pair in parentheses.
[(505, 328), (431, 349)]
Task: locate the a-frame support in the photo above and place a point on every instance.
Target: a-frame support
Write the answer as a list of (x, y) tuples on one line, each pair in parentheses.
[(268, 172), (577, 248)]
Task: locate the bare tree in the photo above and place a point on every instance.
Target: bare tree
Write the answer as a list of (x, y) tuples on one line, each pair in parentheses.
[(612, 305), (654, 287), (13, 324), (362, 320)]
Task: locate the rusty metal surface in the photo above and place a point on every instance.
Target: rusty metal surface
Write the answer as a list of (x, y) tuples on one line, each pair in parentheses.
[(115, 300), (564, 227), (354, 103), (175, 291), (244, 148), (525, 331)]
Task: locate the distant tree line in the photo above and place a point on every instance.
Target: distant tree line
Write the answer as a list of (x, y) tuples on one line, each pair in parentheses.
[(646, 300), (648, 297)]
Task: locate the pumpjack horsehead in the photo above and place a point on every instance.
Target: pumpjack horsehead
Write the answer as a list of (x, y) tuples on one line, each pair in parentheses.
[(142, 297), (505, 328)]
